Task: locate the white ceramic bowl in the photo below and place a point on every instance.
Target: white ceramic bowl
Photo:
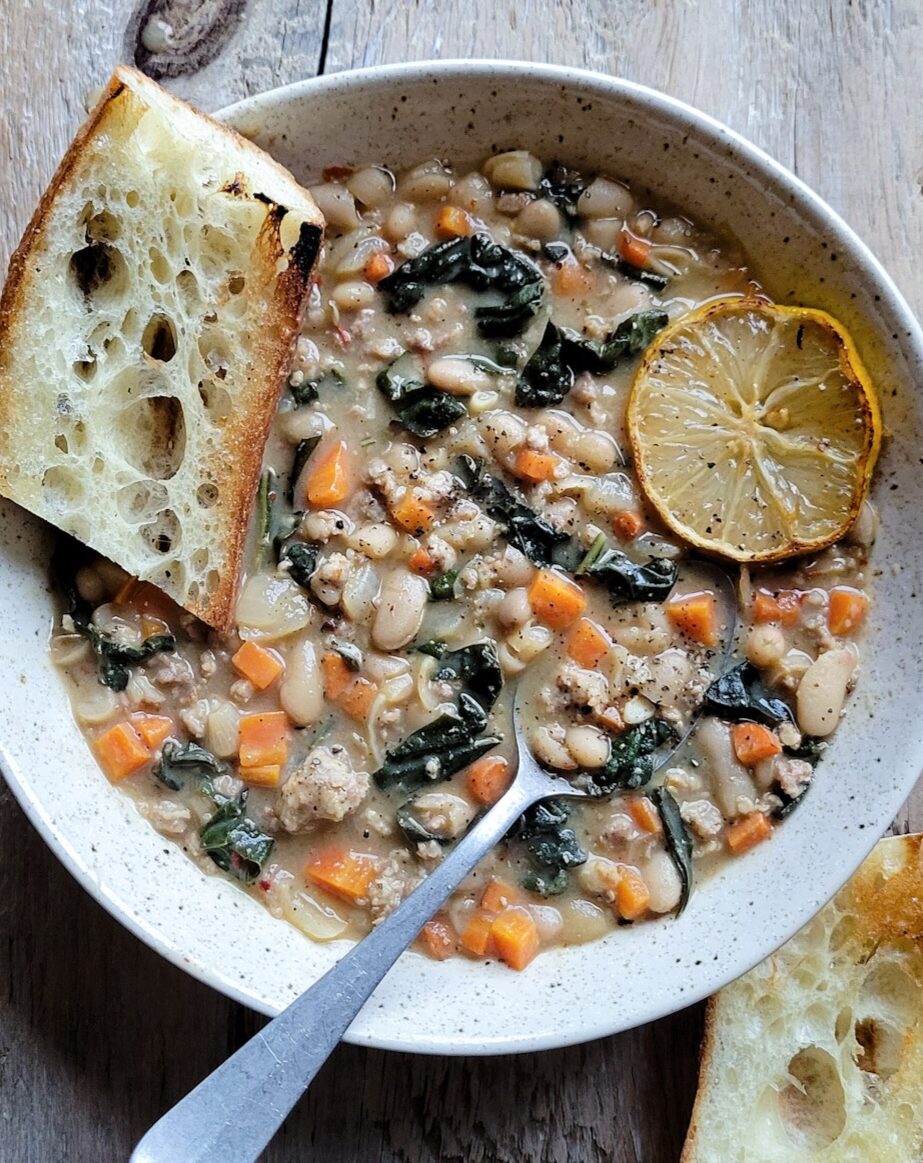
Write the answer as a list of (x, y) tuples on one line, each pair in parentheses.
[(803, 253)]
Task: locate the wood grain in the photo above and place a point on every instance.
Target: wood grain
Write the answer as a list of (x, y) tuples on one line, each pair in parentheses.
[(97, 1034)]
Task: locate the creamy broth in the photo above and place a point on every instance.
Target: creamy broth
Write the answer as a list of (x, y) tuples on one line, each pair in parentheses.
[(449, 509)]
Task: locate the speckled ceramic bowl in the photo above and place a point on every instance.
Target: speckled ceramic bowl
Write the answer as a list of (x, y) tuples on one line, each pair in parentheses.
[(803, 253)]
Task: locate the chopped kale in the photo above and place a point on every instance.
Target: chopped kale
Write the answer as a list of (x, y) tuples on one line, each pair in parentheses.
[(523, 527), (480, 264), (277, 520), (553, 846), (434, 647), (631, 758), (303, 451), (438, 750), (303, 393), (301, 558), (350, 653), (547, 378), (178, 764), (678, 842), (442, 586), (632, 336), (626, 580), (640, 275), (563, 187), (114, 659), (789, 803), (738, 696), (234, 842), (544, 884), (477, 668), (422, 409)]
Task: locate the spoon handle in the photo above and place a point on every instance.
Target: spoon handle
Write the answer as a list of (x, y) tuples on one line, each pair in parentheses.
[(233, 1113)]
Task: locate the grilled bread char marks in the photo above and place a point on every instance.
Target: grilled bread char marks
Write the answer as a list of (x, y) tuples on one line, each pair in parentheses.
[(817, 1054), (145, 329)]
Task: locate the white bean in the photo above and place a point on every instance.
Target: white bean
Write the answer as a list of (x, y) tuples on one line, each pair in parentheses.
[(663, 883), (765, 645), (90, 585), (530, 641), (458, 376), (730, 781), (822, 691), (515, 170), (595, 451), (604, 232), (401, 605), (222, 728), (93, 703), (548, 921), (426, 183), (550, 750), (514, 609), (273, 606), (514, 568), (443, 814), (473, 193), (502, 432), (337, 205), (358, 597), (588, 746), (401, 221), (372, 185), (354, 295), (375, 541), (604, 198), (66, 649), (540, 220), (302, 691)]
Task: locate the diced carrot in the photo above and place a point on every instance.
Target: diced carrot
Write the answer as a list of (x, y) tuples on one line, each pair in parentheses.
[(488, 778), (345, 873), (587, 644), (534, 466), (475, 937), (336, 173), (847, 610), (121, 751), (421, 561), (358, 698), (555, 599), (266, 776), (153, 729), (337, 675), (696, 616), (413, 515), (453, 223), (747, 832), (570, 279), (783, 607), (626, 524), (644, 814), (634, 250), (378, 267), (146, 598), (499, 895), (330, 476), (438, 940), (753, 742), (515, 937), (263, 739), (151, 626), (261, 666), (632, 896)]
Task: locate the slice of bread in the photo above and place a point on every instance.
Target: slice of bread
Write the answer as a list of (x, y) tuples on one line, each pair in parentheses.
[(817, 1054), (145, 326)]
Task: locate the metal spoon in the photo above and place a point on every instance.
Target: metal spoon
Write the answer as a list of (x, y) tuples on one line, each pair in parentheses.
[(231, 1116)]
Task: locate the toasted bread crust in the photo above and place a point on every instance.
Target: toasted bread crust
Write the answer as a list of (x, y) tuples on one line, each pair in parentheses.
[(275, 300)]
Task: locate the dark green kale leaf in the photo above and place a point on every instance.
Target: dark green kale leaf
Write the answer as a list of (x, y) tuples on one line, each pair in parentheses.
[(563, 187), (553, 846), (178, 764), (277, 521), (543, 884), (303, 450), (234, 842), (114, 659), (438, 750), (640, 275), (477, 668), (442, 586), (632, 336), (414, 831), (422, 409), (626, 580), (547, 378), (479, 263), (523, 527), (631, 758), (678, 841), (303, 393), (301, 558), (738, 696), (434, 647)]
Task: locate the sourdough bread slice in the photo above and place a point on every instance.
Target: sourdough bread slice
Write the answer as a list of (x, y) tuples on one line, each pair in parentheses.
[(145, 327), (817, 1054)]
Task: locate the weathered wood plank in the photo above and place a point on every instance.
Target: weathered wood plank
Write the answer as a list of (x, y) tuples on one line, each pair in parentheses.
[(97, 1034)]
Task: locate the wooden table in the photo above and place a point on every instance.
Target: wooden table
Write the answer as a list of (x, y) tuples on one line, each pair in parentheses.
[(98, 1035)]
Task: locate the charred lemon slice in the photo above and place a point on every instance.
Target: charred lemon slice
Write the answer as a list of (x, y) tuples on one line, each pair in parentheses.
[(754, 429)]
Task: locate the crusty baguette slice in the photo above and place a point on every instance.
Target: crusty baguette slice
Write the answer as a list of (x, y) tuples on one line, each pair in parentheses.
[(145, 326), (817, 1054)]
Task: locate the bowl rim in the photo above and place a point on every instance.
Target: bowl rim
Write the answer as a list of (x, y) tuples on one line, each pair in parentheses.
[(712, 132)]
